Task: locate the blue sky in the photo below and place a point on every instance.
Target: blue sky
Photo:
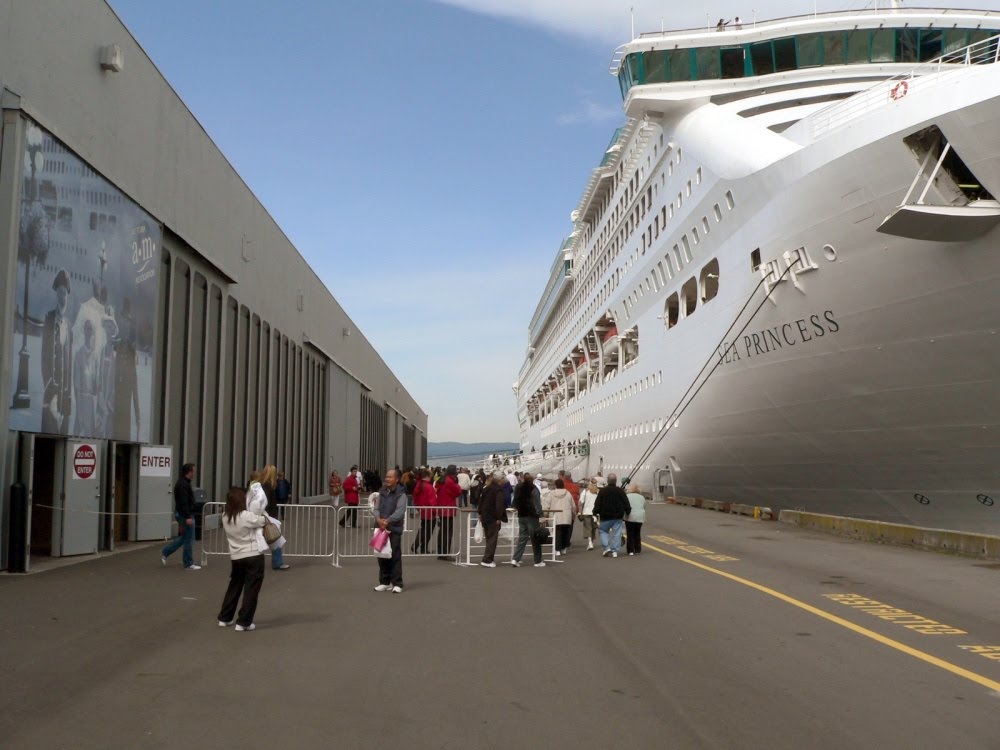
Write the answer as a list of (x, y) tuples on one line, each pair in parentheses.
[(423, 155)]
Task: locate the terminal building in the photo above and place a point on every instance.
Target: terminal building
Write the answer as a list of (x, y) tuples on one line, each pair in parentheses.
[(153, 312)]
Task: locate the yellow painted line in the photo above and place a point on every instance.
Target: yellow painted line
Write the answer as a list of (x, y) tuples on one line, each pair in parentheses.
[(916, 653)]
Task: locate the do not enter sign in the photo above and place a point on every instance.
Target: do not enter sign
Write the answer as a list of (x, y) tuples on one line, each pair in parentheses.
[(84, 462)]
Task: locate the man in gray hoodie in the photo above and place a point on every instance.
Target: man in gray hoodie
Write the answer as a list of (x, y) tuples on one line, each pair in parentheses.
[(389, 515)]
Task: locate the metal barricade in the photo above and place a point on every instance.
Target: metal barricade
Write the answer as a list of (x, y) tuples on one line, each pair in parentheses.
[(427, 532), (308, 531), (506, 542)]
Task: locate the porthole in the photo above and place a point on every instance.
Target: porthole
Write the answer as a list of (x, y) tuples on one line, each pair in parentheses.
[(830, 252)]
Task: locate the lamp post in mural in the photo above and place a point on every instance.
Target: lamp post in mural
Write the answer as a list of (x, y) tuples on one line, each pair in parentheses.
[(32, 249)]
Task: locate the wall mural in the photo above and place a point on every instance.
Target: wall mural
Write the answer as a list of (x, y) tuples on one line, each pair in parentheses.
[(88, 264)]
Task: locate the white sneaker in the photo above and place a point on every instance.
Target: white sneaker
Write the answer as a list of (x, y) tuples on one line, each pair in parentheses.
[(515, 564), (488, 565), (224, 624), (193, 567), (614, 554), (540, 565), (397, 589), (240, 628), (383, 587)]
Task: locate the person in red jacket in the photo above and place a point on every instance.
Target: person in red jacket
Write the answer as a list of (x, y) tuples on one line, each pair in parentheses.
[(351, 485), (448, 491), (425, 498)]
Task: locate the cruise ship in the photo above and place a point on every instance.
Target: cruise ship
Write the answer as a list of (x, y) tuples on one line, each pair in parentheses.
[(782, 282)]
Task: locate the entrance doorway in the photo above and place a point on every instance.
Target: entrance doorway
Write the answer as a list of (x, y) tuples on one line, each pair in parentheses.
[(43, 477)]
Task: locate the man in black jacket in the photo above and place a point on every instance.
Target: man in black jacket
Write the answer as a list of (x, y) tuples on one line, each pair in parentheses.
[(611, 507), (492, 512), (184, 513)]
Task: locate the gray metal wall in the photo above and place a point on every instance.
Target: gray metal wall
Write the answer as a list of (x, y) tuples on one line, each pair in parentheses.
[(257, 361)]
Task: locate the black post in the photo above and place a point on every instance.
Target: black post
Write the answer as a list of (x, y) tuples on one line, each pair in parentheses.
[(17, 537)]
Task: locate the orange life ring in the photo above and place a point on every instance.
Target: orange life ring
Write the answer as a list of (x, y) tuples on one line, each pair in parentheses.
[(899, 90)]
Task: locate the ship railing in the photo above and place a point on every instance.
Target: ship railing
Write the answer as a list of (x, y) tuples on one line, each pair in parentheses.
[(925, 75)]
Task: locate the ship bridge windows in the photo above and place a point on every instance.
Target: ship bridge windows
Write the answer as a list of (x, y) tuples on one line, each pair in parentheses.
[(850, 46)]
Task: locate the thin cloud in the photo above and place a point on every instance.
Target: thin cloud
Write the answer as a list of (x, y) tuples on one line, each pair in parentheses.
[(590, 112)]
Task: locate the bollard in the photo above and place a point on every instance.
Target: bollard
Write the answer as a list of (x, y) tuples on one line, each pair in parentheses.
[(17, 537)]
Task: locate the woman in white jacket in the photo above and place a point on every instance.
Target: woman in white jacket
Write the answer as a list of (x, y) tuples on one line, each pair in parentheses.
[(247, 558), (560, 502), (587, 499)]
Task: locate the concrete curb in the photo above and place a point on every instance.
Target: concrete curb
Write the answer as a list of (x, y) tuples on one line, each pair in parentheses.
[(961, 542), (739, 509)]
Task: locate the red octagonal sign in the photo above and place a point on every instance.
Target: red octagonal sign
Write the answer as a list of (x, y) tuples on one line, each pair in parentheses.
[(85, 461)]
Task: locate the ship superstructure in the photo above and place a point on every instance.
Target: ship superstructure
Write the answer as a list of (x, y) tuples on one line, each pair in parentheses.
[(784, 272)]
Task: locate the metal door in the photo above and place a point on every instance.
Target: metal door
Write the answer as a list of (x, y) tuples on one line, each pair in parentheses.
[(28, 480), (80, 499), (154, 496)]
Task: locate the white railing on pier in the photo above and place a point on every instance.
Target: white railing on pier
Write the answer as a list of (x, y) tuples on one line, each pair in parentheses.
[(924, 75)]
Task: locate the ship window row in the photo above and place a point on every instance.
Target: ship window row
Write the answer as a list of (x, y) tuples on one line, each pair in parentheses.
[(639, 386), (648, 427), (844, 47)]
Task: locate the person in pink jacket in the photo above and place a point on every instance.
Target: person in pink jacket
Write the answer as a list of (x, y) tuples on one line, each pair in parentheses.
[(448, 491)]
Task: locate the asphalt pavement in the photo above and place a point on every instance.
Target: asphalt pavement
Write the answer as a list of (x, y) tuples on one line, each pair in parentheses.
[(726, 632)]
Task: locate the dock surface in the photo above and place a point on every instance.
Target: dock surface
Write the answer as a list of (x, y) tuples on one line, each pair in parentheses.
[(726, 632)]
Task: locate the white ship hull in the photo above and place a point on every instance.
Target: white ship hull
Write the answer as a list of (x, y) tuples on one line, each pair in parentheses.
[(870, 386)]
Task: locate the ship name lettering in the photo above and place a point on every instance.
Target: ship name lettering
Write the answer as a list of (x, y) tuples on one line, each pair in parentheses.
[(767, 340)]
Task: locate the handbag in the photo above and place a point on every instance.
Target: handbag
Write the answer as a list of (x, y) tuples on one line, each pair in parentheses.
[(272, 532), (379, 540)]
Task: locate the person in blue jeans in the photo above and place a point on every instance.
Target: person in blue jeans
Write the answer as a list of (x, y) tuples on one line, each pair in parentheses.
[(611, 507), (184, 513)]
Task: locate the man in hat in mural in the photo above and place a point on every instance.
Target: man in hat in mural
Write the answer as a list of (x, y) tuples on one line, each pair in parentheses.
[(126, 384), (57, 360), (106, 376)]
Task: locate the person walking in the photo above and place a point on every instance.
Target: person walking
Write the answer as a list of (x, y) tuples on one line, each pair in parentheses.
[(611, 507), (424, 498), (184, 513), (351, 485), (560, 502), (448, 492), (269, 484), (528, 504), (389, 514), (587, 499), (246, 574), (492, 514), (634, 520)]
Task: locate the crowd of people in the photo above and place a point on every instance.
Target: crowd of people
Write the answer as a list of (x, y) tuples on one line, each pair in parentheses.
[(252, 519)]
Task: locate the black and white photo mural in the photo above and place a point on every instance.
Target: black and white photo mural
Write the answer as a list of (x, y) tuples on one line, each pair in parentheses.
[(87, 288)]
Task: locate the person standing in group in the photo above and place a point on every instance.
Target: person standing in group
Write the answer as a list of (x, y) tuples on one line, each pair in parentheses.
[(634, 520), (492, 514), (246, 575), (587, 499), (611, 507), (184, 513), (269, 483), (528, 504), (351, 485), (389, 514), (424, 498), (448, 492), (561, 502), (336, 488)]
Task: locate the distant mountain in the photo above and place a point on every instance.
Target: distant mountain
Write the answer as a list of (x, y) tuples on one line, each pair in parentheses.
[(467, 451)]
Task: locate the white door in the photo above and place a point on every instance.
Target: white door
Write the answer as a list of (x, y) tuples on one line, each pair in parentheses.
[(81, 499), (154, 497)]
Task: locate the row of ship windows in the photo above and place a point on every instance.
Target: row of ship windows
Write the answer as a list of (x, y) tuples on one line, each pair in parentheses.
[(849, 47), (633, 430), (638, 387)]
